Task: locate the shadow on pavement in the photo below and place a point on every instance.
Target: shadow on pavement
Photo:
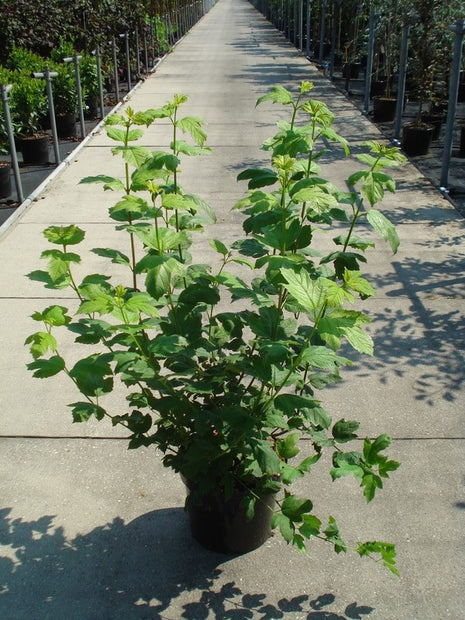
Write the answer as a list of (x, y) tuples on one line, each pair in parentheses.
[(131, 570)]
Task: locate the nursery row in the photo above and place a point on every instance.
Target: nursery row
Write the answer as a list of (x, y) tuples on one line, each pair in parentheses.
[(404, 48), (49, 91)]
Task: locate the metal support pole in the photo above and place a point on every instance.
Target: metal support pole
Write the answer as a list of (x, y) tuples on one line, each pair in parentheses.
[(301, 25), (309, 14), (138, 54), (336, 9), (51, 109), (322, 31), (402, 77), (77, 75), (99, 80), (115, 68), (125, 36), (146, 53), (370, 56), (459, 29), (5, 89)]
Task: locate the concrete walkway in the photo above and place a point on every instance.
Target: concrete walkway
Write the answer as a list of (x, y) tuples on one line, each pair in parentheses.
[(89, 530)]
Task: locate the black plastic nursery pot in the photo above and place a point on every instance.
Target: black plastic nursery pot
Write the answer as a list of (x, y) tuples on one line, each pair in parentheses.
[(384, 109), (416, 140), (66, 125), (35, 149), (221, 525), (351, 70), (436, 121), (5, 179)]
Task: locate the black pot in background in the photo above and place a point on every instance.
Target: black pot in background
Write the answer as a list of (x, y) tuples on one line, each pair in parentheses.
[(351, 70), (5, 179), (436, 121), (66, 125), (416, 140), (462, 141), (35, 149), (222, 525), (384, 109), (92, 107)]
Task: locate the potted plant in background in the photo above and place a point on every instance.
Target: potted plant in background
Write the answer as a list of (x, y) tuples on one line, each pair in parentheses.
[(220, 367), (431, 41), (65, 99), (89, 83), (389, 25), (5, 169), (28, 103)]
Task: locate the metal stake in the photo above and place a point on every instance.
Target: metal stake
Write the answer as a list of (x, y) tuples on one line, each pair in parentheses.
[(402, 77), (99, 80), (76, 60), (115, 68), (5, 89), (51, 109), (370, 56), (459, 29)]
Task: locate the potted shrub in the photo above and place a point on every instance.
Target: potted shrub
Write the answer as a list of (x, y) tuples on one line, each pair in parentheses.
[(388, 33), (65, 99), (89, 83), (28, 103), (221, 365), (431, 41), (5, 167)]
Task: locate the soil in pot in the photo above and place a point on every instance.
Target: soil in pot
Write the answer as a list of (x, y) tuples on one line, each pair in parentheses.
[(416, 139), (5, 179), (35, 149), (66, 125), (222, 525), (384, 109)]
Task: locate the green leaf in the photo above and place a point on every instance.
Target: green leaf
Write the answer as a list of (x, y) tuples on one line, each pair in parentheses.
[(121, 135), (219, 247), (82, 411), (309, 293), (181, 146), (323, 357), (193, 126), (287, 447), (64, 235), (285, 527), (294, 508), (129, 208), (41, 343), (178, 201), (384, 228), (141, 303), (133, 155), (53, 315), (58, 263), (311, 526), (386, 550), (162, 275), (344, 430), (354, 242), (258, 177), (277, 94), (355, 281), (93, 375), (116, 256), (347, 463), (332, 534), (267, 458), (47, 368)]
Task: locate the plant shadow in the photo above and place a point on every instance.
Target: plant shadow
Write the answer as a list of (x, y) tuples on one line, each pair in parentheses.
[(146, 568)]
